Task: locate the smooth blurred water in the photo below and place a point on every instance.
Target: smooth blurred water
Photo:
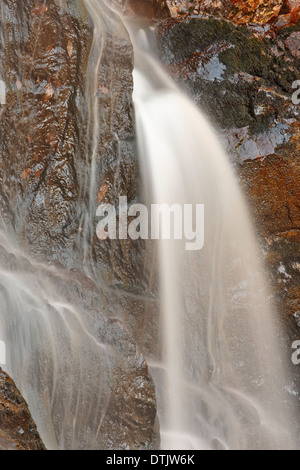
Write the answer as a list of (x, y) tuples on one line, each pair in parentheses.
[(52, 351), (221, 382)]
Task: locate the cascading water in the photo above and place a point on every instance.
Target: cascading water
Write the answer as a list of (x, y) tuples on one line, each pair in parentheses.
[(221, 381), (54, 353), (104, 24), (63, 354)]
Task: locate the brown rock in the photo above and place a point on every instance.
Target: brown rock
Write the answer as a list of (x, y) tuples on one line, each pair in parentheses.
[(255, 11), (293, 44), (43, 91), (17, 428), (102, 394), (274, 191), (49, 114), (282, 13), (244, 84), (46, 151)]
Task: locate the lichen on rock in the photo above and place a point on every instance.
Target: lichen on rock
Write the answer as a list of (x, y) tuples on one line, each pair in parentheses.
[(242, 76)]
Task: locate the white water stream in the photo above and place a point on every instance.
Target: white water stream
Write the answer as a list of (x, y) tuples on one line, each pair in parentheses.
[(221, 381), (222, 377)]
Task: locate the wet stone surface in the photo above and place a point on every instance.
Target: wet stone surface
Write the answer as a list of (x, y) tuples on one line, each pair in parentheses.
[(17, 428), (242, 78)]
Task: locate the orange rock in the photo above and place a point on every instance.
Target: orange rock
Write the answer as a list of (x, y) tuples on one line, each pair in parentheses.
[(102, 191), (296, 136), (15, 417), (55, 80), (293, 235), (49, 92), (273, 187), (39, 9), (52, 140), (293, 44), (70, 48), (282, 13), (26, 173), (255, 11)]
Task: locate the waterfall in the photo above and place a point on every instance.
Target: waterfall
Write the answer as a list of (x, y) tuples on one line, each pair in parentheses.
[(69, 360), (103, 23), (222, 377), (54, 350)]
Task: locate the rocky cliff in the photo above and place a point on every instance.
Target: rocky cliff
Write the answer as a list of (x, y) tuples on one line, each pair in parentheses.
[(56, 166), (47, 141), (238, 61), (17, 429), (241, 73)]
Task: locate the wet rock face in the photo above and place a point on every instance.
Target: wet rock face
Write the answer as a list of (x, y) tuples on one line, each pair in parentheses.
[(48, 159), (243, 77), (17, 429), (121, 262), (94, 361), (44, 52), (280, 13)]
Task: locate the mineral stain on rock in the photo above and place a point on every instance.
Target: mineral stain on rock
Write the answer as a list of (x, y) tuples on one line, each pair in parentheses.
[(281, 13), (17, 428), (40, 144)]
